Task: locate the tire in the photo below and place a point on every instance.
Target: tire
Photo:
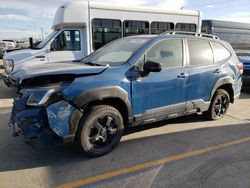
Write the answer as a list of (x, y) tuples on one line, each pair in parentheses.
[(219, 105), (100, 130)]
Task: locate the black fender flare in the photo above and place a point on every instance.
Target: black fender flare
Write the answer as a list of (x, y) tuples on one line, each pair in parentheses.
[(221, 82), (97, 94)]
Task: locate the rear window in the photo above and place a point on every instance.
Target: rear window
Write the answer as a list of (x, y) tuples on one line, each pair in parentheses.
[(200, 52), (220, 52)]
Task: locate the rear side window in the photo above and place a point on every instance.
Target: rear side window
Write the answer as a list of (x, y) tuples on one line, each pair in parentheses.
[(105, 31), (132, 27), (167, 52), (185, 27), (160, 27), (200, 52), (220, 52)]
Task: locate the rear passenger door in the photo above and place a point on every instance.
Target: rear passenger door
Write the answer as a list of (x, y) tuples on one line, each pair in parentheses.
[(203, 72)]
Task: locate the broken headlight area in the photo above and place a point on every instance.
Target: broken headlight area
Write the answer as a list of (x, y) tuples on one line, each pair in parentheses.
[(41, 113), (39, 96)]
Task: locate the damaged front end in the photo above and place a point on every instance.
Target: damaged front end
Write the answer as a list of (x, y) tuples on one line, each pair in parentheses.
[(43, 114)]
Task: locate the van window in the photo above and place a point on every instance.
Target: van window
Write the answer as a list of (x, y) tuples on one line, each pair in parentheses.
[(105, 31), (132, 27), (185, 27), (220, 52), (68, 40), (167, 52), (160, 27), (200, 52)]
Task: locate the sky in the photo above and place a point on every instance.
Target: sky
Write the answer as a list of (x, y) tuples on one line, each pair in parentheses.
[(24, 18)]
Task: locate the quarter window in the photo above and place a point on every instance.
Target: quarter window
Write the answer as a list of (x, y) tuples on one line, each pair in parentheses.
[(105, 31), (185, 27), (167, 52), (68, 40), (160, 27), (220, 52), (135, 28), (200, 52)]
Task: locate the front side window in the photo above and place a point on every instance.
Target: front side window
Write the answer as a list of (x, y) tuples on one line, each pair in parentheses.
[(68, 40), (220, 52), (167, 52), (47, 39), (132, 27), (185, 27), (105, 31), (160, 27), (200, 52), (115, 53)]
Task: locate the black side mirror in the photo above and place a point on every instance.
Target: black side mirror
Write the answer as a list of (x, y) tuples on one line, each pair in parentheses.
[(151, 66)]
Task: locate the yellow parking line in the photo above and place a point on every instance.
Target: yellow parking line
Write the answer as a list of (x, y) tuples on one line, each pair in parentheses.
[(142, 166)]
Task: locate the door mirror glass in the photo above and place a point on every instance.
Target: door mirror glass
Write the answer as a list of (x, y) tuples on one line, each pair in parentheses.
[(151, 66)]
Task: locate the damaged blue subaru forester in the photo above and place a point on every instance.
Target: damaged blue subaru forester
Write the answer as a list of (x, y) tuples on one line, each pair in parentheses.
[(130, 81)]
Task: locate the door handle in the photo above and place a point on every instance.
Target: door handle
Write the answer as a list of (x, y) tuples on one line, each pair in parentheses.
[(182, 75), (217, 71)]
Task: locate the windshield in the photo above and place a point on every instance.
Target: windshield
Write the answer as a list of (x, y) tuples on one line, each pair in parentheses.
[(46, 40), (116, 53)]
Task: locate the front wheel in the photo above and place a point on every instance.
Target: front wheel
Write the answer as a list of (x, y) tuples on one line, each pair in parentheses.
[(100, 130), (219, 105)]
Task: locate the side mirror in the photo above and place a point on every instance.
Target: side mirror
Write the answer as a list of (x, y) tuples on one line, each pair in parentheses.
[(151, 66)]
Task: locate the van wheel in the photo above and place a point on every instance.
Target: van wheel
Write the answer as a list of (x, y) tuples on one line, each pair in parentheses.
[(100, 130), (219, 105)]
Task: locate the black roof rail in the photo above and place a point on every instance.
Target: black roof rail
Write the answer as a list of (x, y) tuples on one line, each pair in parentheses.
[(189, 33)]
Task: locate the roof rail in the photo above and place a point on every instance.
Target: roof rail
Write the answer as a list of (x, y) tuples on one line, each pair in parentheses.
[(189, 33)]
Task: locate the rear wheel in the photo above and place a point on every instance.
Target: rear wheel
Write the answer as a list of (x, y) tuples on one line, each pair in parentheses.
[(219, 105), (100, 130)]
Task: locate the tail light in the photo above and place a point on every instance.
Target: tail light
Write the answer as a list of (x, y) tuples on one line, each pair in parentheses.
[(240, 67)]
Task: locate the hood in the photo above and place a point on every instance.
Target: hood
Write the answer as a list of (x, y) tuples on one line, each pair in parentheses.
[(53, 73), (22, 55)]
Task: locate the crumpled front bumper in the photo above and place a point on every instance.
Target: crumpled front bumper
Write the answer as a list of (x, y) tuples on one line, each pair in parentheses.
[(49, 124)]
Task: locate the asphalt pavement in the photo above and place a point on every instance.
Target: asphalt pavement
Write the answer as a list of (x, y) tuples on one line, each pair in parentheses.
[(183, 152)]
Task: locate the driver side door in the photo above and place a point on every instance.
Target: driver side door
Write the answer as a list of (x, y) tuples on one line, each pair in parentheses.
[(66, 47), (161, 94)]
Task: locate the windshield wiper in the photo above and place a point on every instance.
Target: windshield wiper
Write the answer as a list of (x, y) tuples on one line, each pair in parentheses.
[(92, 64)]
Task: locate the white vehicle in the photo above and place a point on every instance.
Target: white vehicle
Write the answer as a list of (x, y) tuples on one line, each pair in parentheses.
[(80, 27), (4, 46)]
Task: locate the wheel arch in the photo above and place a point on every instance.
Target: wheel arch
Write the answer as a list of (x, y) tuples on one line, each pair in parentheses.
[(113, 96), (225, 83)]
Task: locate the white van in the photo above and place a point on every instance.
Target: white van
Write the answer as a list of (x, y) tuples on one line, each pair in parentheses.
[(80, 27)]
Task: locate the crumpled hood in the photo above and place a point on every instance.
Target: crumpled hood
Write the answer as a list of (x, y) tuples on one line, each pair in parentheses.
[(58, 70)]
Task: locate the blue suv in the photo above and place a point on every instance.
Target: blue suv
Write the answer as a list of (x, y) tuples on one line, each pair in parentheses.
[(131, 81), (246, 73)]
